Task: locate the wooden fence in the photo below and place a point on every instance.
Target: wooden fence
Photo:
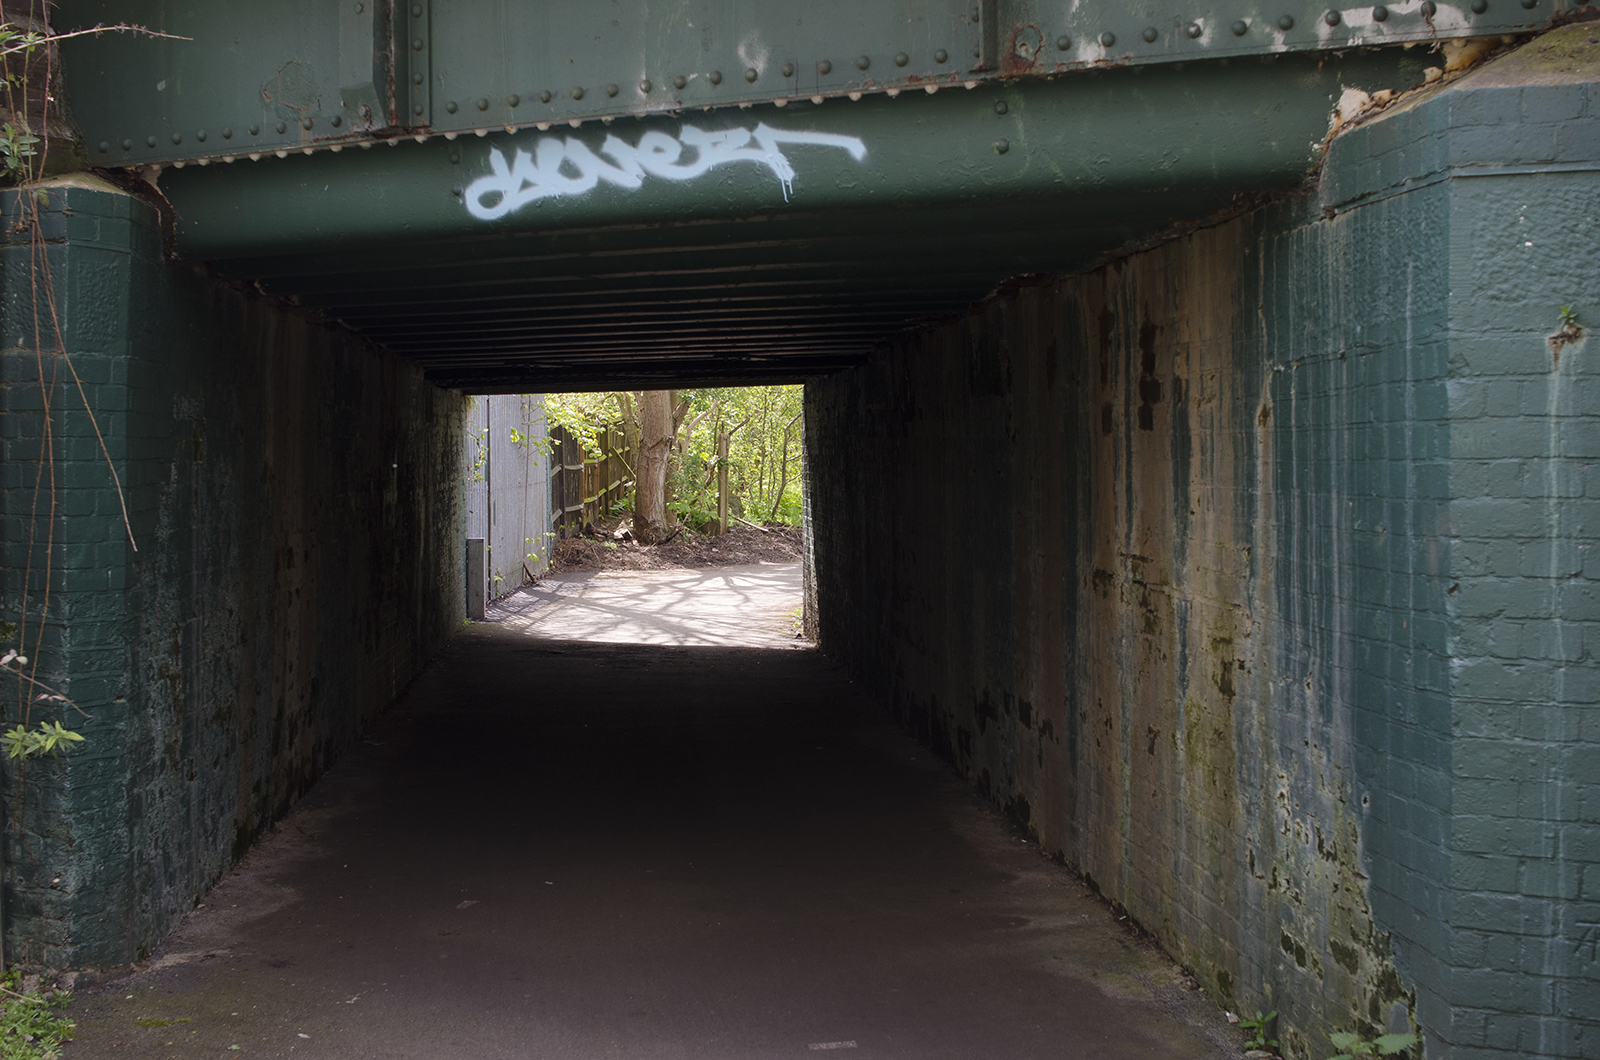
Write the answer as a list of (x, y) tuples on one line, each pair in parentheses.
[(582, 487)]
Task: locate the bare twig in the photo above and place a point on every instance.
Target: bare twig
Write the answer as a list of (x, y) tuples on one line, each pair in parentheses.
[(30, 42)]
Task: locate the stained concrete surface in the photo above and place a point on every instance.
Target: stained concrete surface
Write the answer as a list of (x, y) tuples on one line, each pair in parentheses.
[(561, 849)]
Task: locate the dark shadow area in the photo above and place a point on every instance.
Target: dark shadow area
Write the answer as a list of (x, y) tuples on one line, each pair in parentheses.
[(565, 849)]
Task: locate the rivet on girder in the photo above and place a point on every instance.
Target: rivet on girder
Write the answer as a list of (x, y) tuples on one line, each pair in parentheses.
[(1530, 4), (1064, 42), (1150, 34), (824, 67), (417, 45), (901, 58), (150, 141), (1002, 146), (1429, 8), (305, 123), (1480, 6), (201, 136), (1107, 39), (645, 86), (941, 56), (127, 145), (336, 121), (104, 147), (255, 130), (455, 157), (544, 97), (577, 93), (451, 106), (1240, 28), (177, 138), (227, 133), (416, 78), (715, 77), (417, 110), (863, 61), (750, 74), (455, 189), (1332, 18), (513, 100), (1194, 31), (1000, 106), (680, 81), (787, 70), (1286, 23), (416, 10), (483, 104), (282, 127)]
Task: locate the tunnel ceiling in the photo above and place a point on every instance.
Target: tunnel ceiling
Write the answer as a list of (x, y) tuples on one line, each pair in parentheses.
[(521, 201)]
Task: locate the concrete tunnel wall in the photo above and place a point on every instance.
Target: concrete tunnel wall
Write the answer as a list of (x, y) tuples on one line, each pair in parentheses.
[(1253, 574), (295, 497)]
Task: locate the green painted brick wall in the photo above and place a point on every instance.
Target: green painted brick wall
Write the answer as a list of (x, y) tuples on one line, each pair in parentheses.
[(1254, 573), (295, 501)]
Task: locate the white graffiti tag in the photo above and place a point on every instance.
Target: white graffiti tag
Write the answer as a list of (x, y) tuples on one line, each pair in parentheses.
[(567, 167)]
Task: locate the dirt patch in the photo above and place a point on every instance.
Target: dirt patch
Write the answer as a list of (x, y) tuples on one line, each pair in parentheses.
[(602, 549)]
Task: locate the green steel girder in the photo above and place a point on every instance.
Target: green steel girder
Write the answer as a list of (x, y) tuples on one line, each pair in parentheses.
[(619, 252), (1184, 136), (240, 78)]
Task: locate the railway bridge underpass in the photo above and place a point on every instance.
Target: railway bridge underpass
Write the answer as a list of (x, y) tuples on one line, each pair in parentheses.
[(1200, 429)]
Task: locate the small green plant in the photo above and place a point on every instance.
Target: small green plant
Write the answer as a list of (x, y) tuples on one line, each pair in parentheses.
[(51, 737), (1256, 1027), (47, 739), (1569, 316), (1351, 1046), (31, 1025)]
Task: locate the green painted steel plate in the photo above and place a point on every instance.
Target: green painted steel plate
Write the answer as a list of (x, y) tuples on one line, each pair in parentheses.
[(295, 75)]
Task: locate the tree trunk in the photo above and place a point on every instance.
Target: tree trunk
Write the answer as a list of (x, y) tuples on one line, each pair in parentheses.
[(783, 483), (655, 450)]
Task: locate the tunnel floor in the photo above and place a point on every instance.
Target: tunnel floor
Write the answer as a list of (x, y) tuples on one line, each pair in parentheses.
[(571, 849)]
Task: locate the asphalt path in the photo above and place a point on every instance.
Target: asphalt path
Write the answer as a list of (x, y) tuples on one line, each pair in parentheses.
[(578, 849)]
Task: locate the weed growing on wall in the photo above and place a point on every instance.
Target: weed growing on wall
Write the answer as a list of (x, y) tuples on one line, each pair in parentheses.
[(1353, 1046)]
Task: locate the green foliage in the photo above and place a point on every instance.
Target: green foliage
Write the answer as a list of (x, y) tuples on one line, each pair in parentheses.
[(764, 454), (585, 416), (48, 739), (17, 142), (1569, 317), (1352, 1045), (764, 447), (16, 147), (31, 1025), (1256, 1027)]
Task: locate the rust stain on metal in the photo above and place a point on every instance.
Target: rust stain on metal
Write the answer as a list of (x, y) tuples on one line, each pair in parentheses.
[(1022, 52)]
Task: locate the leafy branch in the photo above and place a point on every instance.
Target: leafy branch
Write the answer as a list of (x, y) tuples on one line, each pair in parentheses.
[(49, 738), (1353, 1046)]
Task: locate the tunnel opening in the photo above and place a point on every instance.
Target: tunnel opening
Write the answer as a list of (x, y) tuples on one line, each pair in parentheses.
[(1211, 523)]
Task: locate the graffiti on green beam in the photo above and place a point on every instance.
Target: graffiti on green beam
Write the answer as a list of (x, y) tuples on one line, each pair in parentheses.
[(561, 166)]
